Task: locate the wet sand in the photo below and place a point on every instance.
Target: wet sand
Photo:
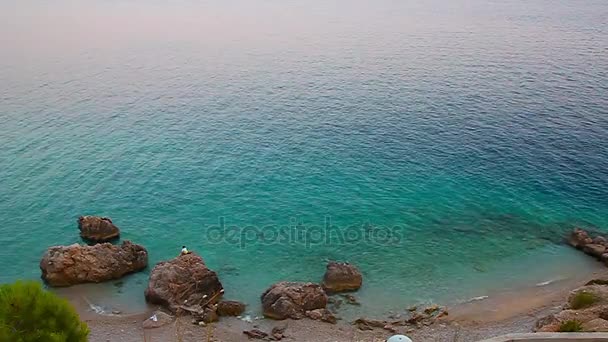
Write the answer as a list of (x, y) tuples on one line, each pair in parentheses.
[(501, 313)]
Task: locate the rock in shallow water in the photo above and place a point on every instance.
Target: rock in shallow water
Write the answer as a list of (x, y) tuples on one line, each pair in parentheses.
[(340, 276), (292, 299), (230, 308), (77, 264), (183, 281), (97, 229)]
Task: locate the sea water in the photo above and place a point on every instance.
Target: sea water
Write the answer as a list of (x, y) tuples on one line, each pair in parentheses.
[(443, 147)]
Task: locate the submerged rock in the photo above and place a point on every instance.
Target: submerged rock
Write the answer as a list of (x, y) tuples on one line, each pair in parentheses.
[(292, 299), (340, 277), (183, 282), (579, 238), (97, 229), (76, 264)]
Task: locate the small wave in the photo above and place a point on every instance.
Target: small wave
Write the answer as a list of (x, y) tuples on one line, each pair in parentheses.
[(476, 299), (548, 282), (97, 309)]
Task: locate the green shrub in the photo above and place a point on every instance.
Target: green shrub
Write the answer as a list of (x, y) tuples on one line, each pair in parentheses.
[(30, 314), (582, 300), (570, 326)]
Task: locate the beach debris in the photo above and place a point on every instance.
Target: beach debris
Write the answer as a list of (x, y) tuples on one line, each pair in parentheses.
[(77, 264), (230, 308), (184, 280), (97, 229), (322, 315), (341, 276), (292, 299), (158, 319), (255, 334), (399, 338)]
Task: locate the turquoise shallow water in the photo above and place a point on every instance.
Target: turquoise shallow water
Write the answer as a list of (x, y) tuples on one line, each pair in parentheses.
[(444, 148)]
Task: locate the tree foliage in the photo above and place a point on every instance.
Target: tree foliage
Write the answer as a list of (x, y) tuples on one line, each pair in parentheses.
[(29, 313)]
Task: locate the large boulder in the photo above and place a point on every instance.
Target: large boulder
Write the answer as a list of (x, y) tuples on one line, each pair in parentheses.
[(340, 276), (230, 308), (76, 264), (291, 300), (97, 229), (182, 282)]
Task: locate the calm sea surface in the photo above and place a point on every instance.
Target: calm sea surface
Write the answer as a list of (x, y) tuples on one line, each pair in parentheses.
[(445, 147)]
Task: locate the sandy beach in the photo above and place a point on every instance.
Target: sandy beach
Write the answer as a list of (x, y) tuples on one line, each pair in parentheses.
[(501, 313)]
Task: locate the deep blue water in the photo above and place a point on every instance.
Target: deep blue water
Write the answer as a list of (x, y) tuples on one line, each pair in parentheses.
[(450, 145)]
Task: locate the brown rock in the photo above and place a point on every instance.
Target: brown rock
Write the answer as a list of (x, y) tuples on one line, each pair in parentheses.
[(291, 300), (322, 315), (97, 229), (599, 240), (76, 264), (230, 308), (278, 333), (579, 238), (431, 309), (594, 250), (183, 281), (369, 324), (210, 314), (390, 328), (157, 320), (340, 277), (596, 325), (597, 281), (548, 323), (255, 334)]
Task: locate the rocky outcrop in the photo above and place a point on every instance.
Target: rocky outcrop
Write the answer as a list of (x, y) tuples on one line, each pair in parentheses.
[(291, 300), (596, 246), (183, 283), (340, 277), (230, 308), (413, 319), (76, 264), (97, 229), (587, 305)]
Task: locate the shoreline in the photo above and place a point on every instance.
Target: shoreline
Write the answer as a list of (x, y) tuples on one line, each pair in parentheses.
[(511, 311)]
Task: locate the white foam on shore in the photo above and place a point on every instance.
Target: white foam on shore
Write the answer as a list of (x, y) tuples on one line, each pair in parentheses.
[(548, 282), (97, 309), (476, 299)]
